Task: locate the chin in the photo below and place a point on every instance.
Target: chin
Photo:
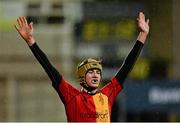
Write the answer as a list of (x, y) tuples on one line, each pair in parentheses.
[(94, 86)]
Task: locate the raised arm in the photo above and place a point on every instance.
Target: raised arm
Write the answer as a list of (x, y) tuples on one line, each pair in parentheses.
[(26, 32), (135, 51)]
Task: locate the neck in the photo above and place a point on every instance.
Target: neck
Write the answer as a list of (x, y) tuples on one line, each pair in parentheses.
[(92, 92)]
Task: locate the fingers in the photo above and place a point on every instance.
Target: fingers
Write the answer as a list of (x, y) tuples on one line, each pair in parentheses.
[(22, 21), (19, 22), (31, 25), (141, 15), (147, 21), (141, 18), (16, 27)]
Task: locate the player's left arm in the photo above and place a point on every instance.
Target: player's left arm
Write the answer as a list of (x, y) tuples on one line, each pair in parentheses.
[(135, 51)]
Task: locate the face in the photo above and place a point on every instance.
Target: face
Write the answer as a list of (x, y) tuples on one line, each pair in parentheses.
[(93, 78)]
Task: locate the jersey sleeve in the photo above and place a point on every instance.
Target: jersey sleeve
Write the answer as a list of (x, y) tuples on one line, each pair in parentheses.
[(129, 62), (52, 72), (65, 90)]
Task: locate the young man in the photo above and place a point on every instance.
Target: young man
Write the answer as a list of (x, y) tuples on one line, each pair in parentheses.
[(88, 104)]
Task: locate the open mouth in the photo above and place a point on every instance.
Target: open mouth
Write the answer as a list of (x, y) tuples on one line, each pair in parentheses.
[(94, 81)]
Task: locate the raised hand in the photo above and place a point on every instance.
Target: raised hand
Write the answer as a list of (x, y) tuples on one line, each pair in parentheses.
[(142, 23), (25, 30), (143, 26)]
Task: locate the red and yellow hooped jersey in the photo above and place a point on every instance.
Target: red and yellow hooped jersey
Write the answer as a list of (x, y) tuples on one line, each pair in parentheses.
[(82, 107)]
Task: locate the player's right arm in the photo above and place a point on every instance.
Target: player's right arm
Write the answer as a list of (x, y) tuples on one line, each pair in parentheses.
[(26, 32)]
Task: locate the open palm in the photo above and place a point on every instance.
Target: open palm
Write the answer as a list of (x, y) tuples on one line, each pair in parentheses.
[(25, 30)]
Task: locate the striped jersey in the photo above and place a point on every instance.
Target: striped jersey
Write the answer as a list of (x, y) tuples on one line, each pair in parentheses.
[(82, 107), (79, 105)]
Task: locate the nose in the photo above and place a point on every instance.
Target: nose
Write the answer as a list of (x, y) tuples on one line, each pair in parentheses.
[(95, 74)]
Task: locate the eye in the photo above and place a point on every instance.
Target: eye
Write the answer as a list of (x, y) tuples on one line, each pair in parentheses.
[(90, 71), (98, 72)]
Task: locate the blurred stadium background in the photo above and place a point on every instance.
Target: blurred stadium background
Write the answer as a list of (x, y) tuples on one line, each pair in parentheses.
[(71, 30)]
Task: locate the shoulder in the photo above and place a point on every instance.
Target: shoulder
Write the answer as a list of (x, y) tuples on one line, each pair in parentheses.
[(112, 85)]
